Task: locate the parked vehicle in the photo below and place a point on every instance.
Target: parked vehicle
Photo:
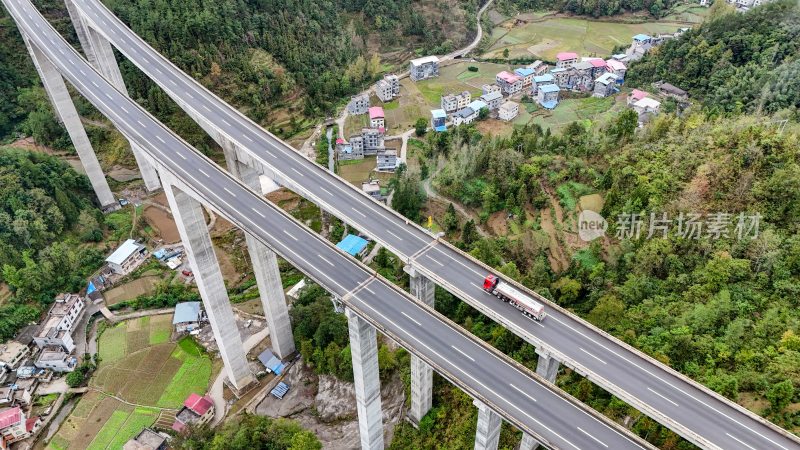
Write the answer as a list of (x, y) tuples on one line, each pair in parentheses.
[(512, 295), (186, 272)]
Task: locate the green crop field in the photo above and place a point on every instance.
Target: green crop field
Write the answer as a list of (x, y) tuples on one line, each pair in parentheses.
[(545, 38), (140, 366)]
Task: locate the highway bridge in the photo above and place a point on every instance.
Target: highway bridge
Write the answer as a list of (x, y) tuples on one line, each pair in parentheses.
[(672, 399)]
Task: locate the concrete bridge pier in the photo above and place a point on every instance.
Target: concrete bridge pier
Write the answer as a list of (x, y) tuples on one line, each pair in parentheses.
[(100, 54), (265, 269), (487, 432), (423, 289), (364, 350), (547, 368), (191, 224), (67, 114)]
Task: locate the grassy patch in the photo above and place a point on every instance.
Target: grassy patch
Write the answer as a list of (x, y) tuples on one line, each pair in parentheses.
[(138, 419), (58, 443), (192, 376), (113, 344), (391, 105), (159, 336), (109, 430), (569, 192), (586, 258), (190, 347)]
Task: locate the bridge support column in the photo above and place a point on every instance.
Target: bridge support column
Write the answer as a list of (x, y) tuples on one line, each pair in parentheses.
[(547, 368), (67, 114), (80, 30), (487, 433), (421, 373), (268, 276), (191, 223), (364, 350), (100, 53)]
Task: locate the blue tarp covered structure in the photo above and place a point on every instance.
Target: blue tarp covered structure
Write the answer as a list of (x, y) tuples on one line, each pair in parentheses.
[(90, 288), (352, 244), (271, 362), (280, 390)]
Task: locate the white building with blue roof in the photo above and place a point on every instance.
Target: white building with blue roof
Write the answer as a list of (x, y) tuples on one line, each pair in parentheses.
[(527, 74), (547, 96), (355, 245), (541, 80), (438, 120), (187, 317)]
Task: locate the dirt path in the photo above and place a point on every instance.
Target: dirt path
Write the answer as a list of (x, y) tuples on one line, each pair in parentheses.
[(430, 192), (558, 259)]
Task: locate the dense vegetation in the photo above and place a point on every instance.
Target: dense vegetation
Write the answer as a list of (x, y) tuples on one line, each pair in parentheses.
[(594, 8), (738, 62), (248, 432)]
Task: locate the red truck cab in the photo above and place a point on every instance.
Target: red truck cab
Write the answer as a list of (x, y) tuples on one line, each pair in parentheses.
[(490, 282)]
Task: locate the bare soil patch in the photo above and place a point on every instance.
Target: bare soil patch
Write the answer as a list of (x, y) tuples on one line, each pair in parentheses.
[(498, 223), (162, 223), (131, 290)]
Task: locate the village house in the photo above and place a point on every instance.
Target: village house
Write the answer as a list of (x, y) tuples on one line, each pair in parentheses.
[(422, 68), (57, 329), (508, 111), (438, 120), (126, 257), (464, 116), (372, 140), (561, 77), (388, 88), (453, 102), (527, 75), (359, 104), (579, 76), (12, 353), (538, 67), (565, 60), (509, 83), (56, 359), (541, 80), (618, 68), (605, 85), (668, 90), (14, 426), (372, 188), (196, 410), (147, 439), (346, 151), (646, 108), (598, 67), (376, 117), (386, 160), (547, 96), (489, 88), (492, 100), (187, 316), (635, 96)]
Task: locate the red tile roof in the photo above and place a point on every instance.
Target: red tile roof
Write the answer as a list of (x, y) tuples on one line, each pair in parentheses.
[(597, 62), (376, 112), (200, 405), (178, 426), (566, 55), (638, 95), (10, 416)]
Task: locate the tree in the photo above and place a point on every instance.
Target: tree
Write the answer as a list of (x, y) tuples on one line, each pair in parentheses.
[(408, 197), (505, 53), (469, 233), (780, 395), (248, 432), (483, 113), (450, 218), (420, 126)]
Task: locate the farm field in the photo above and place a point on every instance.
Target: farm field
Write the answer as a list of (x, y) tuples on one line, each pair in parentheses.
[(146, 373), (546, 37)]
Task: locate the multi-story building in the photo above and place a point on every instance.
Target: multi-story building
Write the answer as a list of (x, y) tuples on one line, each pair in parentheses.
[(669, 90), (388, 88), (527, 75), (618, 68), (605, 85), (598, 67), (453, 102), (372, 188), (547, 95), (196, 410), (372, 139), (539, 67), (565, 60), (14, 426), (509, 82), (464, 116), (489, 88), (387, 160), (126, 257), (541, 80), (147, 439), (12, 353), (359, 104), (508, 111), (492, 100), (422, 68), (580, 76), (56, 359), (561, 77), (57, 328), (357, 142), (376, 117), (346, 151)]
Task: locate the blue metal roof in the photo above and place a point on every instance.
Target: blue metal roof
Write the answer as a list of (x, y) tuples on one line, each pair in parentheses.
[(90, 288), (550, 104), (547, 88), (186, 312), (523, 71), (546, 78), (641, 37), (477, 105), (352, 244), (438, 113), (441, 128), (280, 390), (271, 362)]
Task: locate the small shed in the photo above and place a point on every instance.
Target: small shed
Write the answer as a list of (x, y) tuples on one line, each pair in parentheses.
[(271, 362), (353, 244), (187, 316), (280, 390)]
